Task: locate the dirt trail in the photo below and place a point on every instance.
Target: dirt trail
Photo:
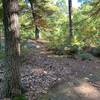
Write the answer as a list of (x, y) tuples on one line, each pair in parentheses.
[(70, 79), (58, 77)]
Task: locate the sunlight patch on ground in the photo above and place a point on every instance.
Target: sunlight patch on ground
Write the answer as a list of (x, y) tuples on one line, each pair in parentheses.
[(55, 56), (88, 91), (38, 71)]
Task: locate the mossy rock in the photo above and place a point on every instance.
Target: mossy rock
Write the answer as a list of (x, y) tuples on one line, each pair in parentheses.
[(95, 51), (71, 49)]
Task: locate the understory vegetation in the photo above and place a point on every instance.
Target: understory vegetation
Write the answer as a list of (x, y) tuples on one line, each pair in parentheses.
[(53, 20)]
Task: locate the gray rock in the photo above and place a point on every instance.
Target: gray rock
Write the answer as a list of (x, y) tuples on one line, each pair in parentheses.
[(30, 45)]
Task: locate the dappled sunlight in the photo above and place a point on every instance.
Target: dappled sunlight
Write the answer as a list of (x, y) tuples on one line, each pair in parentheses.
[(88, 91), (56, 56), (43, 52)]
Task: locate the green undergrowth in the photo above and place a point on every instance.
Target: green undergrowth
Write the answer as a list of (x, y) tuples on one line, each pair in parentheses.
[(84, 55), (2, 55), (21, 97)]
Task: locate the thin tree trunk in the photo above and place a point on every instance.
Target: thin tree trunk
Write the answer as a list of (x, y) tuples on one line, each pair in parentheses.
[(12, 48), (37, 31), (70, 20)]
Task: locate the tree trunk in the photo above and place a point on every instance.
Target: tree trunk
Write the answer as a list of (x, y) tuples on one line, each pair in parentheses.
[(0, 42), (12, 48), (70, 20), (35, 19), (36, 32)]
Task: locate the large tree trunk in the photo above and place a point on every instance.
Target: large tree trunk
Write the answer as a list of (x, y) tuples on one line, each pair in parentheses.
[(70, 20), (12, 48), (37, 31)]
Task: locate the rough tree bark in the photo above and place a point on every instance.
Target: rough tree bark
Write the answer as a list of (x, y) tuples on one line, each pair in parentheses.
[(0, 42), (12, 48), (35, 19), (70, 20), (36, 32)]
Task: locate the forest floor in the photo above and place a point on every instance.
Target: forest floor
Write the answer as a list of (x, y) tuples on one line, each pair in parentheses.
[(46, 76)]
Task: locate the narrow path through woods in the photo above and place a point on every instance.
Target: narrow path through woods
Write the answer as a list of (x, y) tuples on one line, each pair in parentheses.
[(45, 76), (60, 77)]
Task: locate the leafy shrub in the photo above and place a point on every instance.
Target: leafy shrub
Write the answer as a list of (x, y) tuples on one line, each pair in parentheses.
[(85, 56), (20, 98)]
